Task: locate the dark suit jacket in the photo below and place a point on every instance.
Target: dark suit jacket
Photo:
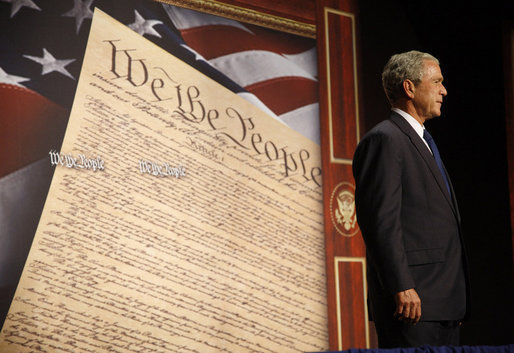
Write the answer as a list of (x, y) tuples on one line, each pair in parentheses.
[(409, 222)]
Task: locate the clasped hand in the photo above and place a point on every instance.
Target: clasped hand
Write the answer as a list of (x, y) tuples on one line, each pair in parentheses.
[(408, 306)]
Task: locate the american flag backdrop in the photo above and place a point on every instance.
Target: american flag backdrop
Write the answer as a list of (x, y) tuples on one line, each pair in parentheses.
[(276, 68), (42, 43)]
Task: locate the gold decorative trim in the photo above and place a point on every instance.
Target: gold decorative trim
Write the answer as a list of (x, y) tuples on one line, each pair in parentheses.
[(362, 260), (247, 15), (327, 10)]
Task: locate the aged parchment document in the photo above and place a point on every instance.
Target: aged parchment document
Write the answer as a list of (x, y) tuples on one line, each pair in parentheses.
[(180, 219)]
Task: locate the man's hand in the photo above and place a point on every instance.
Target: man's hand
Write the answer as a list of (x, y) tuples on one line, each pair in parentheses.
[(408, 306)]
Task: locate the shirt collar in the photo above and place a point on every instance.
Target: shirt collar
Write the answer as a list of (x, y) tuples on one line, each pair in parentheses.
[(412, 122)]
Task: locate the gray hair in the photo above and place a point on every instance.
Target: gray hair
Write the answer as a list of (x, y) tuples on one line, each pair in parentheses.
[(401, 67)]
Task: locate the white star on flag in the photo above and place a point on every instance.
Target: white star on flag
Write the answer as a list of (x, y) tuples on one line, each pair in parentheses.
[(11, 79), (80, 11), (18, 4), (143, 26), (51, 64)]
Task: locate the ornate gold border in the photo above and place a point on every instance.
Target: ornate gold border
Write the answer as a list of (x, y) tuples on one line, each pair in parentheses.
[(327, 10), (247, 15), (362, 260)]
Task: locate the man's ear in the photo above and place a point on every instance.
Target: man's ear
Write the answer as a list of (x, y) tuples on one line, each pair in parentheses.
[(409, 88)]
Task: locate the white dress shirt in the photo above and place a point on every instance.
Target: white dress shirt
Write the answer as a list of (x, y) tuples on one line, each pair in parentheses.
[(414, 123)]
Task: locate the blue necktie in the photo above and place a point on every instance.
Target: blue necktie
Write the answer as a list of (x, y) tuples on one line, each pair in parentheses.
[(431, 143)]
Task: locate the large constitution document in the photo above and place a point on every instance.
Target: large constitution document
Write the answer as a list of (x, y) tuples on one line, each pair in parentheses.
[(180, 218)]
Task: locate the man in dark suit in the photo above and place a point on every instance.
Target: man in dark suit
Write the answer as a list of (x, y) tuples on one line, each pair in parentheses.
[(408, 215)]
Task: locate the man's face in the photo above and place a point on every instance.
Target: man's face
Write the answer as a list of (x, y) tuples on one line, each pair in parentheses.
[(429, 93)]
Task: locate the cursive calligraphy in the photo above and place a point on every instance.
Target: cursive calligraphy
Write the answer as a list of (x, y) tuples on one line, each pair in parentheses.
[(186, 102), (81, 162), (161, 169)]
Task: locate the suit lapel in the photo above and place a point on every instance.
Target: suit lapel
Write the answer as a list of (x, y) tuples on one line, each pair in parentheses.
[(453, 198), (425, 154)]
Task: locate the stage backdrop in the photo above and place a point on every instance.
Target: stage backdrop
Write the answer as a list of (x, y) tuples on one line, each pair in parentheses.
[(180, 216)]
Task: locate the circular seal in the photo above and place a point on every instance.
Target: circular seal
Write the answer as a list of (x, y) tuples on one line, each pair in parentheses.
[(342, 209)]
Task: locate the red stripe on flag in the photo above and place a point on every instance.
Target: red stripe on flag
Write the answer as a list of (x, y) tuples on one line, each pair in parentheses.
[(30, 126), (300, 92), (216, 40)]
